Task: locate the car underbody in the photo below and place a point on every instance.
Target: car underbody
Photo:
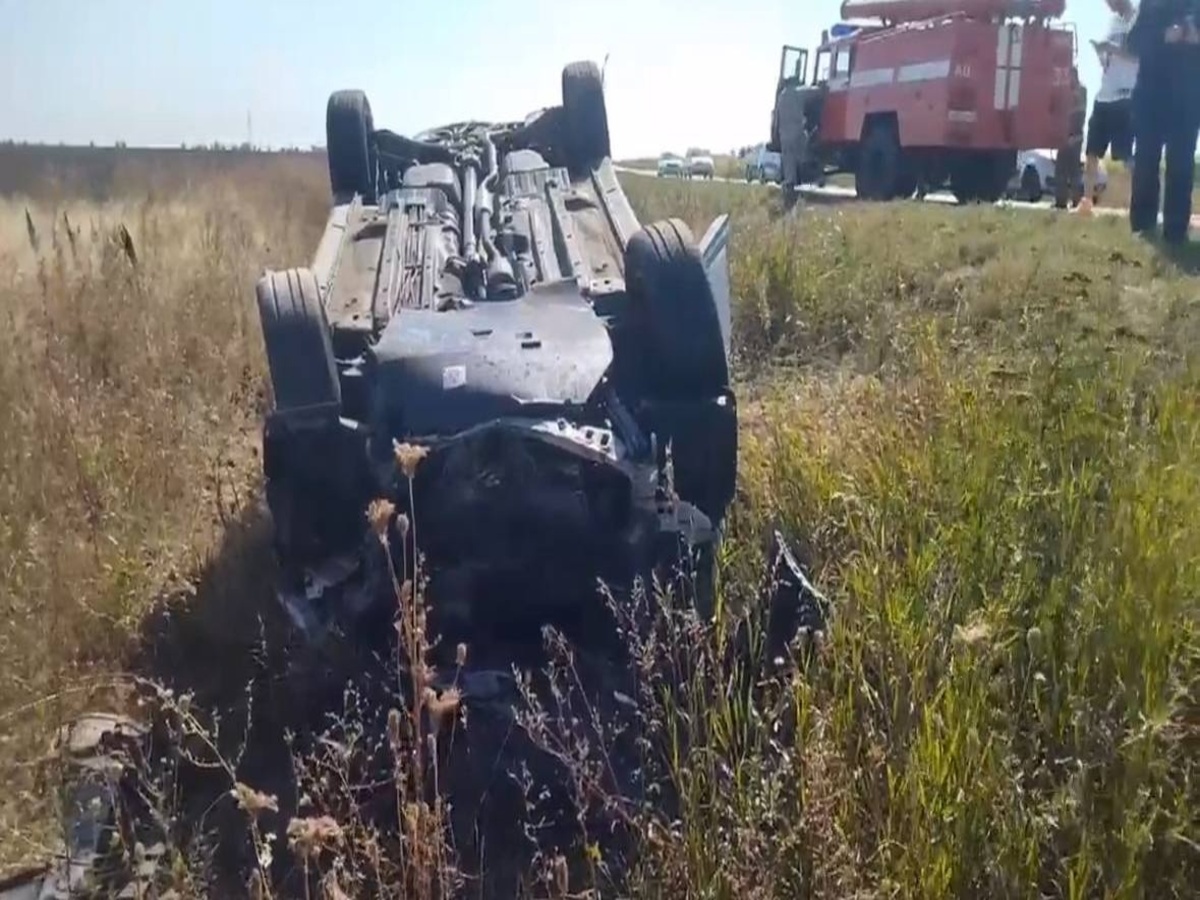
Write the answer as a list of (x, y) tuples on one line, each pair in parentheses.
[(486, 292)]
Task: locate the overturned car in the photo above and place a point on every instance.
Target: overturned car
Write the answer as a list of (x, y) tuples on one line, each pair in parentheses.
[(485, 291)]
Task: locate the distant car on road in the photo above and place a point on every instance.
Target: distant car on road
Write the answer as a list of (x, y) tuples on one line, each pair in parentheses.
[(1033, 178), (764, 165), (671, 167), (701, 167)]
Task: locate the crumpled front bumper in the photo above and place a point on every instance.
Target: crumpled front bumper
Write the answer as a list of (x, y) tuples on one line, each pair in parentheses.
[(517, 522)]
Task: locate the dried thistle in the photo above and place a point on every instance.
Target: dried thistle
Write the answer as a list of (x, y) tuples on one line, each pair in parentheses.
[(331, 889), (1035, 642), (393, 728), (442, 706), (307, 837), (973, 634), (560, 877), (255, 888), (412, 817), (460, 655), (253, 802), (422, 677), (402, 526), (408, 457), (379, 514)]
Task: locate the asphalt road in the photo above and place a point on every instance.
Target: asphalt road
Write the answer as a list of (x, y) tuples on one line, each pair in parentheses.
[(832, 194)]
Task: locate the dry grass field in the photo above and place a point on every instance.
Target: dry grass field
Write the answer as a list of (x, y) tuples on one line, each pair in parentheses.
[(979, 426)]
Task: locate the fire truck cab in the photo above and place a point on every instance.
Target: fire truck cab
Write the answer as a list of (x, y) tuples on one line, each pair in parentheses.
[(916, 95)]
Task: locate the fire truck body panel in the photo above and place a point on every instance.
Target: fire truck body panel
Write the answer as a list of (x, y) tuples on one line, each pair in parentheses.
[(914, 10), (959, 83), (931, 92)]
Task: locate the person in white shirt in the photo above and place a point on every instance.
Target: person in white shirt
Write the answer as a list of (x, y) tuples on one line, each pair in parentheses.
[(1111, 122)]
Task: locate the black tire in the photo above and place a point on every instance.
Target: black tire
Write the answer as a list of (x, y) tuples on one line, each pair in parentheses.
[(675, 314), (1031, 185), (688, 572), (585, 115), (982, 178), (997, 173), (704, 449), (877, 176), (681, 356), (964, 184), (299, 346), (349, 142)]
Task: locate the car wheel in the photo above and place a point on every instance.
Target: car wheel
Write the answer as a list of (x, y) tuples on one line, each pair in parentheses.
[(586, 115), (675, 312), (298, 343), (350, 146), (685, 372)]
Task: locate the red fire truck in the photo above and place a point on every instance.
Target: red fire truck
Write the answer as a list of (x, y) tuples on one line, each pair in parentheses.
[(915, 95)]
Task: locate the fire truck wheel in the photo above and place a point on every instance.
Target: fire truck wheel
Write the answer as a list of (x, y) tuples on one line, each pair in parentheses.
[(1031, 185), (878, 174), (982, 178)]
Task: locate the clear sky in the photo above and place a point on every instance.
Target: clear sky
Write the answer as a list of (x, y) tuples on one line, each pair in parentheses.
[(161, 72)]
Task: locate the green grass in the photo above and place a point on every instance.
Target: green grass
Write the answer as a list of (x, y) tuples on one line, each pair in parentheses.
[(976, 425), (980, 425)]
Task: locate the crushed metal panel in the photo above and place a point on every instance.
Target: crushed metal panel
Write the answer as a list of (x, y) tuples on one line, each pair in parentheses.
[(601, 246), (329, 251), (391, 267), (616, 205), (566, 239)]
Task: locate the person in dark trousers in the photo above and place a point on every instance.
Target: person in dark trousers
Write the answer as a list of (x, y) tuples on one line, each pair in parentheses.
[(1166, 115), (1068, 159)]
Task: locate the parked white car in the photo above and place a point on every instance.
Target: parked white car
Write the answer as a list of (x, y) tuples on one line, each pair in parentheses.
[(671, 167), (701, 167), (764, 165), (1034, 178)]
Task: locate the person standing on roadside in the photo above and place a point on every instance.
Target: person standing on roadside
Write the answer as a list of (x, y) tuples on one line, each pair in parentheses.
[(1166, 115), (1069, 158), (1111, 122)]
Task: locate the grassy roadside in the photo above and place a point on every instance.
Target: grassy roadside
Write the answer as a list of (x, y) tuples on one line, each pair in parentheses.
[(978, 425)]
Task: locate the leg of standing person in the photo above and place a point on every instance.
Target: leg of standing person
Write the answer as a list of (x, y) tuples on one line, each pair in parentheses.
[(1099, 137), (1122, 137), (1178, 181), (1148, 143)]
